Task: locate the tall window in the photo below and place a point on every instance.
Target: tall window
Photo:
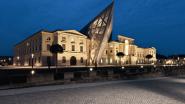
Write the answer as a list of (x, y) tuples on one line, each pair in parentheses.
[(81, 49), (35, 45), (73, 47), (39, 59), (64, 46), (48, 47), (63, 59), (35, 60), (40, 47), (40, 44), (32, 45), (81, 60)]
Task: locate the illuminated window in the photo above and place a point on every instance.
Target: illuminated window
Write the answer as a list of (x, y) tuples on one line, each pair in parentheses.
[(81, 48), (48, 47), (64, 46), (63, 59), (106, 52), (73, 47), (81, 60)]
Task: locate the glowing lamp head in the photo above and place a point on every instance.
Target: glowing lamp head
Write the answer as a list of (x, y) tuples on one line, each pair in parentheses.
[(32, 72), (123, 67), (32, 55), (91, 69)]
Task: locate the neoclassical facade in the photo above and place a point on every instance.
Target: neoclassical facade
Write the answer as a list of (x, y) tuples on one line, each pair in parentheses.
[(36, 49), (133, 55), (77, 49)]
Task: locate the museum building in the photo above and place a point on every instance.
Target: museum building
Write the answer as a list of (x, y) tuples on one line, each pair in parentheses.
[(92, 45)]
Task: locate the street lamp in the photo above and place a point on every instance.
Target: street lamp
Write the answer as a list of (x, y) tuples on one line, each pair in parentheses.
[(32, 72), (91, 69), (32, 55), (122, 67)]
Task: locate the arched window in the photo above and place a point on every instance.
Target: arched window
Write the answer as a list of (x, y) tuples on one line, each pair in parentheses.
[(63, 59)]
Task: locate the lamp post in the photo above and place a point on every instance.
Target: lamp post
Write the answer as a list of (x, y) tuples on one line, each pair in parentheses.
[(32, 55)]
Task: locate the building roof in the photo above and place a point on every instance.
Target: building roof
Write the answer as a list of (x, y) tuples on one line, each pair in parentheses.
[(128, 38), (36, 33), (75, 32)]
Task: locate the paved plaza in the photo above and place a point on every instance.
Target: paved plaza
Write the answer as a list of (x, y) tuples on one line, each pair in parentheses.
[(142, 91)]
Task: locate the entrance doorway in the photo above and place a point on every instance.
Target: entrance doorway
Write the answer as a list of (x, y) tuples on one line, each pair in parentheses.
[(73, 60)]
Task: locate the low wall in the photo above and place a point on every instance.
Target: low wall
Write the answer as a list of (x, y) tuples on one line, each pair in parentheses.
[(40, 78), (69, 75)]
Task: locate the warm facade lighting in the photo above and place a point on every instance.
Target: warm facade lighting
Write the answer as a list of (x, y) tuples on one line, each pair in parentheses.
[(111, 61), (18, 57), (88, 47), (26, 64), (101, 60), (126, 47)]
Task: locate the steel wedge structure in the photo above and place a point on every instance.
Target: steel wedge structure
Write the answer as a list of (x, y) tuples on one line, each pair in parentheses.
[(99, 30)]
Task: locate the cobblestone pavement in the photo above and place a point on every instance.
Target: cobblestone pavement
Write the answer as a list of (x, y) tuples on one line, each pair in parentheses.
[(148, 91)]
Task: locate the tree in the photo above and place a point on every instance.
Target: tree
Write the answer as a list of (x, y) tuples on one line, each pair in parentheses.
[(55, 49), (120, 55), (149, 57)]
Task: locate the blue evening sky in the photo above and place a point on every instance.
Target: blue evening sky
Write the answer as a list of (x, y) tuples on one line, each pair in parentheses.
[(157, 23)]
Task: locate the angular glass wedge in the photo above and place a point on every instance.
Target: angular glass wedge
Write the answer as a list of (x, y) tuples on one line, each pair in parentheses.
[(99, 31)]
